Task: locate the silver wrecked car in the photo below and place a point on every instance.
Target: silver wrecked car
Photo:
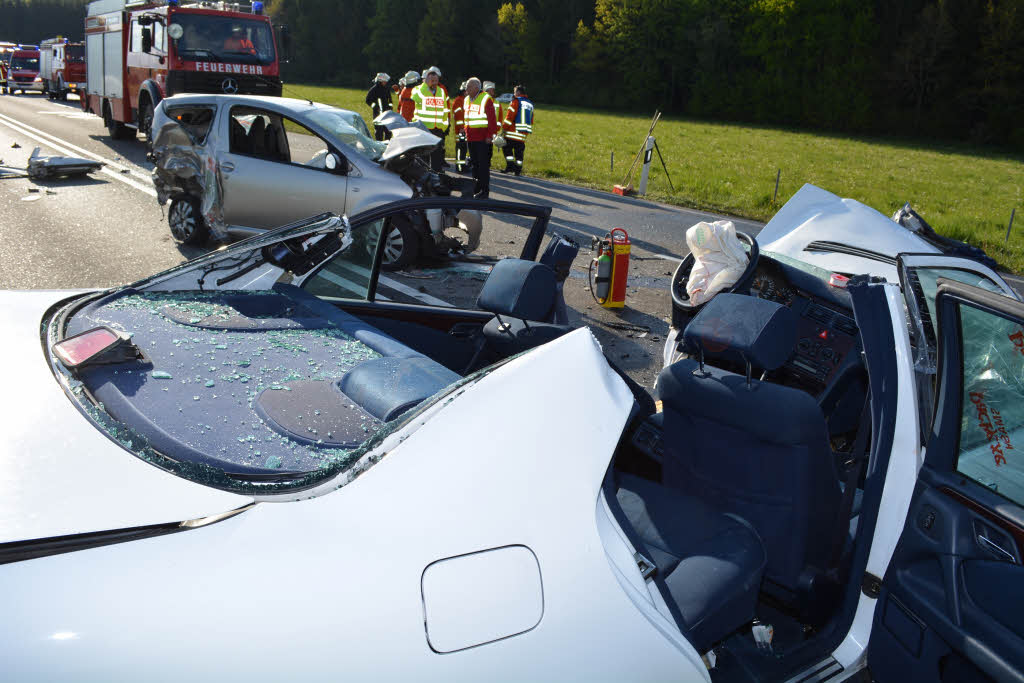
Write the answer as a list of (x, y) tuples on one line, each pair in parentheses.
[(235, 165)]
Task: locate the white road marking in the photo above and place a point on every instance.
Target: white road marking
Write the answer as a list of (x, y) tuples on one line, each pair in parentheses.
[(68, 149), (53, 140), (69, 115)]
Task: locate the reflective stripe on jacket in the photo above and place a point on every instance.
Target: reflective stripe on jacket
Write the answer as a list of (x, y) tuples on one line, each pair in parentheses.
[(480, 120), (431, 107), (519, 119)]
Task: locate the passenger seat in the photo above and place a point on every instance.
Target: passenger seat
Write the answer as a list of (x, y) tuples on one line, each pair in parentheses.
[(524, 292)]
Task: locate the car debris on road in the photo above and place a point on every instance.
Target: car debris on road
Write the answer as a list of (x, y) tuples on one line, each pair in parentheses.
[(46, 167)]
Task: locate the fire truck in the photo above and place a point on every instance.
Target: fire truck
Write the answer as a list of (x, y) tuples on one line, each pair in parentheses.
[(62, 67), (6, 50), (137, 53)]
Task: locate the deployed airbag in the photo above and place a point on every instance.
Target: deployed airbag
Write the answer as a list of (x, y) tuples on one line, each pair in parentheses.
[(719, 259)]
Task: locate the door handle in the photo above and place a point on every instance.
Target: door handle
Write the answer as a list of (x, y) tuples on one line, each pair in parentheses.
[(999, 550), (227, 166)]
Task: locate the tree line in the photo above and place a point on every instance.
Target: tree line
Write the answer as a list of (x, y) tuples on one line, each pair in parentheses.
[(947, 69), (32, 21)]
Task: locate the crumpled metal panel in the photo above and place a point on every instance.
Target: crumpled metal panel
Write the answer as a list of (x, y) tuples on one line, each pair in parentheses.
[(182, 166), (41, 167)]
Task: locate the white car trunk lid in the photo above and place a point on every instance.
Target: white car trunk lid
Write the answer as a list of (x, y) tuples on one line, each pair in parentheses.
[(59, 473)]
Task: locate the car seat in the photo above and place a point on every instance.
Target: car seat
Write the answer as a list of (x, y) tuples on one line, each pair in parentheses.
[(524, 292), (238, 141), (753, 448), (255, 137)]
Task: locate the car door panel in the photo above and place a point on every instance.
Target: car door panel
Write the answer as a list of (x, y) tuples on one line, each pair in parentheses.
[(262, 188), (266, 194), (952, 601)]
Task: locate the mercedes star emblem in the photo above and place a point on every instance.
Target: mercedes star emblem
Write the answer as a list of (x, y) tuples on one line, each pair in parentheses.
[(229, 86)]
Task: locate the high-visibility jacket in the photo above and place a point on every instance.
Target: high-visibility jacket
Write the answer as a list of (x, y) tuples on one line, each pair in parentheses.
[(431, 107), (497, 109), (406, 106), (458, 114), (518, 119), (480, 120)]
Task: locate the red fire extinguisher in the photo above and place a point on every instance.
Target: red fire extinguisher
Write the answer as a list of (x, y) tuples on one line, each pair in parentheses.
[(612, 263)]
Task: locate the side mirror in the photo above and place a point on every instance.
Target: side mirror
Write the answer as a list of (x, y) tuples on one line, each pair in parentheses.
[(147, 39), (336, 164)]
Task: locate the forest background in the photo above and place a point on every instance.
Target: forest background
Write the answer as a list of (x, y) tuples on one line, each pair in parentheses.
[(928, 69)]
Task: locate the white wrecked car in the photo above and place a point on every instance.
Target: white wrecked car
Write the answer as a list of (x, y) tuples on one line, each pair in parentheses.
[(253, 450)]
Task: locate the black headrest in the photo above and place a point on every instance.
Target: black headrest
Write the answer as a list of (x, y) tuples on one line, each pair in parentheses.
[(521, 289), (740, 327)]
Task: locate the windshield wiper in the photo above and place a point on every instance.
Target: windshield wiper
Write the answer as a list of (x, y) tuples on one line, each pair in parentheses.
[(840, 248), (199, 52)]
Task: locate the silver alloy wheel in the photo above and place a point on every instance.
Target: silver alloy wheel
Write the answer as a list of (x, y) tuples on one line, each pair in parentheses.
[(182, 220), (394, 245)]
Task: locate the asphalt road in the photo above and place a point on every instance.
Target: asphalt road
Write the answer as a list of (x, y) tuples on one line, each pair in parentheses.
[(107, 229)]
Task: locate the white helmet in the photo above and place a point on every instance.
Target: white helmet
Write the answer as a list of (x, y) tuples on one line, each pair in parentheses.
[(382, 77), (412, 78), (432, 70), (488, 86)]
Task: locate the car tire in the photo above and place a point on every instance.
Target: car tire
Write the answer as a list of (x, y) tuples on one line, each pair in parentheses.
[(401, 247), (186, 222)]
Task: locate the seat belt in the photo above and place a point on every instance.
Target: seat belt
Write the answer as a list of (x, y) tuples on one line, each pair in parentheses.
[(858, 459)]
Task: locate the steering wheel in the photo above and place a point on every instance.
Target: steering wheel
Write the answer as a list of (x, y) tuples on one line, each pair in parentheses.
[(681, 299)]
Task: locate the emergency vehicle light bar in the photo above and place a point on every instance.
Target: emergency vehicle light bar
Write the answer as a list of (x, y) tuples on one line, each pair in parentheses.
[(255, 7)]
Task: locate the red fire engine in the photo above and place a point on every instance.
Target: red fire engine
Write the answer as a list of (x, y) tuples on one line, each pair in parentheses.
[(137, 53), (62, 67)]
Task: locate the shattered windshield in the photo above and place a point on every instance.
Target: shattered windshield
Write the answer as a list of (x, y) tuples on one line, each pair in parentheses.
[(209, 38), (242, 379), (349, 128)]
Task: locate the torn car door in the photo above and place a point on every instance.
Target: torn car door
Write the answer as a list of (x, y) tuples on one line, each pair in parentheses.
[(951, 606)]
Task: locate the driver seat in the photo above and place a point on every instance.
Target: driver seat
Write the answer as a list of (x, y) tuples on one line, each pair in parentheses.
[(751, 448)]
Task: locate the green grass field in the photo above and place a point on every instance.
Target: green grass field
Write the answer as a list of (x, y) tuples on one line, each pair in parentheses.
[(962, 191)]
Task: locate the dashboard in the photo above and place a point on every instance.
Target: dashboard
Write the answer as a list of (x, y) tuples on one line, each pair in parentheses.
[(826, 331)]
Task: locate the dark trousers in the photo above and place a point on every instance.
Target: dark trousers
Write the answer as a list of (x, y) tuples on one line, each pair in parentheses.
[(437, 155), (380, 133), (514, 151), (461, 153), (480, 162)]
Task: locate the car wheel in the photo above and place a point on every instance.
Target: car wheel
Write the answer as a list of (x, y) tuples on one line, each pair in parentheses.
[(186, 222), (401, 247)]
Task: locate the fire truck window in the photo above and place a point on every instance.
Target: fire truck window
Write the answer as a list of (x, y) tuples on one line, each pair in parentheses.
[(136, 45), (159, 37)]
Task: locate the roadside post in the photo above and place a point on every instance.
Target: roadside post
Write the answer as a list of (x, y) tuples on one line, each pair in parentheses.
[(1013, 212), (646, 169)]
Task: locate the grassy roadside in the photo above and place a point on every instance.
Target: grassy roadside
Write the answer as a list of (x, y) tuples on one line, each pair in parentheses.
[(965, 192)]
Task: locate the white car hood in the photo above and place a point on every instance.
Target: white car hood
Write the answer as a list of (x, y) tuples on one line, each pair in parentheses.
[(813, 214), (407, 139), (59, 474)]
